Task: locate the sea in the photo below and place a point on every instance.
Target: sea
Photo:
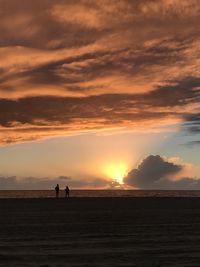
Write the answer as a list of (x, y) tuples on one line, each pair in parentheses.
[(98, 193)]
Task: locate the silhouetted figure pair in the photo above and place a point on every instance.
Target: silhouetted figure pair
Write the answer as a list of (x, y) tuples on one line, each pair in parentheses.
[(67, 191), (57, 189)]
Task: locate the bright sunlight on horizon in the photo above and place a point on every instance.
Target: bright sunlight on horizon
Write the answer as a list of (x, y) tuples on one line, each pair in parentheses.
[(89, 89), (116, 171)]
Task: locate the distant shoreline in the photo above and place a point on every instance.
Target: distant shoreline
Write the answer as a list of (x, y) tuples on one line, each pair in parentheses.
[(106, 193)]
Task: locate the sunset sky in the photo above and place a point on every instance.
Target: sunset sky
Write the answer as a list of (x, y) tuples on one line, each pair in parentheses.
[(94, 91)]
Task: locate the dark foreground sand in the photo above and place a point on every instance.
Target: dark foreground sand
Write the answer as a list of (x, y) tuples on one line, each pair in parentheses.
[(100, 232)]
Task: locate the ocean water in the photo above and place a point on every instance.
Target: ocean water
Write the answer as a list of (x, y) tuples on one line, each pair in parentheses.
[(99, 193)]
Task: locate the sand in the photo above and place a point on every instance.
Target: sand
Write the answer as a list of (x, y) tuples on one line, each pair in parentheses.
[(100, 232)]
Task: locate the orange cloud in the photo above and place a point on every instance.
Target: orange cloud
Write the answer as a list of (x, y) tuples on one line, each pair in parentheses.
[(85, 65)]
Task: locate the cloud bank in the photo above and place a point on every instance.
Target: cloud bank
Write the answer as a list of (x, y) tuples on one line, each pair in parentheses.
[(156, 172), (33, 183)]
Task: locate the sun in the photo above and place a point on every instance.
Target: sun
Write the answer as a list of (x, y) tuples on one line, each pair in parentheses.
[(116, 171)]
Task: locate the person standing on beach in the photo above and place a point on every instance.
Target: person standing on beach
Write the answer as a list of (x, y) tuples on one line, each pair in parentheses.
[(57, 189), (67, 191)]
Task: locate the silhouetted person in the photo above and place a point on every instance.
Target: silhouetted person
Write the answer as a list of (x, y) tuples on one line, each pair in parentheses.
[(67, 191), (57, 189)]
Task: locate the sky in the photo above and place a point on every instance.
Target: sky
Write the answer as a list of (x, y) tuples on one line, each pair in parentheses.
[(100, 94)]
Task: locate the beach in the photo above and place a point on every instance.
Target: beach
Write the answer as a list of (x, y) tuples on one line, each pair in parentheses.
[(107, 231)]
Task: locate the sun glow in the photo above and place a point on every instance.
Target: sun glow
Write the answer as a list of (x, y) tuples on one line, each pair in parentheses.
[(116, 171)]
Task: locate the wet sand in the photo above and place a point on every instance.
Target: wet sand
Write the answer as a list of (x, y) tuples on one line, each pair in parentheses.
[(100, 232)]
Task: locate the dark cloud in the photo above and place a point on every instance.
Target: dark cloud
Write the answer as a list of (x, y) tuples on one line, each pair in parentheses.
[(151, 172), (192, 123), (185, 91), (184, 183), (193, 143), (155, 172)]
